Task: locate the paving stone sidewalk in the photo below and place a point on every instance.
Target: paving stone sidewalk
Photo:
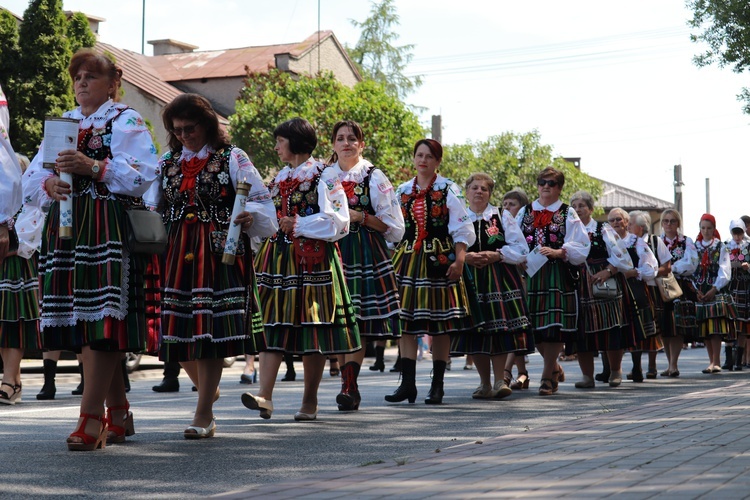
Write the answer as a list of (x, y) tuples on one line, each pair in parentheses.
[(687, 447)]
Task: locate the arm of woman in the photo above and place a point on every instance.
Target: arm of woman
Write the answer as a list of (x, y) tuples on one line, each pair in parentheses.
[(460, 226), (10, 188), (577, 243), (35, 180), (619, 258), (664, 256), (456, 270), (332, 222), (259, 218), (725, 269), (132, 168), (647, 263), (388, 219), (687, 265), (516, 249)]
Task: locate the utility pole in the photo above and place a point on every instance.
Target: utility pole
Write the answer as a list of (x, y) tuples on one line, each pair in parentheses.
[(437, 128), (708, 196), (678, 189), (143, 29)]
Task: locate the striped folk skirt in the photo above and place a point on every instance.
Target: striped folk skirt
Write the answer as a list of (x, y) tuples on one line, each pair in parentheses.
[(740, 291), (553, 303), (19, 323), (684, 312), (506, 323), (306, 310), (372, 284), (210, 309), (638, 318), (711, 318), (664, 312), (92, 290), (433, 306), (599, 319)]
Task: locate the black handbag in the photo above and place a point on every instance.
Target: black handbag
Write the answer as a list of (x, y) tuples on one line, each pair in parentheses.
[(146, 232)]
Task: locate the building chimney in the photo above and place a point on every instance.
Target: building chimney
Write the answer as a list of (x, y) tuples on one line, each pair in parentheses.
[(169, 46)]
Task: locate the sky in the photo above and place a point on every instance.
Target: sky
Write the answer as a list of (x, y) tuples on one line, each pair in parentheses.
[(610, 82)]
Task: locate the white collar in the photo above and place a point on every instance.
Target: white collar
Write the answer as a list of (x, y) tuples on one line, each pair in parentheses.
[(552, 208), (202, 154)]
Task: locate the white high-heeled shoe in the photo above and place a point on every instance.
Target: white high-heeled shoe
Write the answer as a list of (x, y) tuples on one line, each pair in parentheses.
[(258, 403), (195, 432)]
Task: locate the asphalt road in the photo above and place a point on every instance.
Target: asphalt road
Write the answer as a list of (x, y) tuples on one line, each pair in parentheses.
[(159, 463)]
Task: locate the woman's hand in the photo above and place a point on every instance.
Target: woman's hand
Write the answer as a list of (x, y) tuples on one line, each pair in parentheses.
[(356, 216), (475, 259), (709, 295), (286, 224), (56, 188), (601, 276), (551, 253), (74, 162), (245, 219), (745, 266), (455, 271)]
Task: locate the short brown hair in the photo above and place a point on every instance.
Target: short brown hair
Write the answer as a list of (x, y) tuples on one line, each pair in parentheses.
[(193, 107), (480, 176), (517, 194), (434, 146), (557, 175), (91, 60)]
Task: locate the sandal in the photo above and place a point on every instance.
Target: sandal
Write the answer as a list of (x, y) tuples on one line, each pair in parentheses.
[(195, 432), (508, 377), (116, 433), (547, 388), (334, 370), (521, 384), (89, 443), (558, 375), (12, 398)]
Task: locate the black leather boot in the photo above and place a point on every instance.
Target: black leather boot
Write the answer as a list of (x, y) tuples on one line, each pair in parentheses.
[(604, 375), (349, 397), (739, 352), (637, 374), (290, 374), (408, 387), (48, 389), (379, 364), (397, 365), (729, 363), (78, 391), (435, 396), (125, 377)]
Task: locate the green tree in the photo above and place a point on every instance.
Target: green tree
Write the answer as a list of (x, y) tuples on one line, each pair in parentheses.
[(79, 32), (43, 87), (512, 160), (725, 30), (9, 54), (376, 54), (271, 98)]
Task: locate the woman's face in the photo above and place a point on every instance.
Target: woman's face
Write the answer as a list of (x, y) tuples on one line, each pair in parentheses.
[(92, 89), (549, 190), (190, 133), (283, 150), (478, 194), (618, 222), (425, 162), (635, 228), (582, 209), (347, 147), (512, 205), (670, 224), (738, 236), (707, 230)]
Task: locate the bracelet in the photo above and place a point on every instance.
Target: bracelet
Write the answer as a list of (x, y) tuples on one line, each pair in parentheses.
[(611, 273), (364, 218)]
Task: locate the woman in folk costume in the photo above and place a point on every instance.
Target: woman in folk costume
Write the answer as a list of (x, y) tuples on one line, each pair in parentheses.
[(492, 261), (707, 302), (436, 292), (210, 309), (739, 287), (376, 217), (306, 305), (553, 230), (599, 318), (684, 260), (95, 295)]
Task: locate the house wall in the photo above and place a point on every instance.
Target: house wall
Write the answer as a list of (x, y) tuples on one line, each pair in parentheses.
[(149, 108), (221, 92), (331, 59)]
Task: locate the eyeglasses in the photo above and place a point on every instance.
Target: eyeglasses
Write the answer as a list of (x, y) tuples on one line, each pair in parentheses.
[(615, 219), (186, 130), (549, 182), (669, 221)]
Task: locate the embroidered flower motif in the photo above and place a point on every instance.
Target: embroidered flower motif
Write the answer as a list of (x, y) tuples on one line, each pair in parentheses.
[(223, 178), (305, 186), (436, 210), (95, 142), (138, 180), (436, 195), (107, 141), (364, 199)]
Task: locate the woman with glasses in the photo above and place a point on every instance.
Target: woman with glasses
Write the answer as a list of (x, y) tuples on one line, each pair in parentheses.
[(684, 261), (209, 309), (555, 235)]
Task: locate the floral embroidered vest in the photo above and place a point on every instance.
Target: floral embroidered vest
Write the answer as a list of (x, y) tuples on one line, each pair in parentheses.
[(545, 228), (738, 256), (676, 248), (708, 269), (437, 238), (490, 234), (292, 197), (211, 200), (358, 196), (95, 143), (598, 251)]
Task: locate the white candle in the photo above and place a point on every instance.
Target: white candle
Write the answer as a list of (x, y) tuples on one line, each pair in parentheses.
[(66, 209), (233, 234)]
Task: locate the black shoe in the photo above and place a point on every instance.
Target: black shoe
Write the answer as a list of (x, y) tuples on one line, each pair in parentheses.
[(435, 396), (378, 366), (403, 393), (289, 377), (48, 389), (167, 385), (637, 376), (602, 377), (396, 366), (78, 391)]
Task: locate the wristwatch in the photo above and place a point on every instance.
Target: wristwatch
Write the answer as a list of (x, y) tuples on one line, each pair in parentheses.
[(95, 169)]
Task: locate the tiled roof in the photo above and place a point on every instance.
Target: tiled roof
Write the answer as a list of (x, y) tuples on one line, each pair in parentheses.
[(229, 62), (628, 199), (137, 70)]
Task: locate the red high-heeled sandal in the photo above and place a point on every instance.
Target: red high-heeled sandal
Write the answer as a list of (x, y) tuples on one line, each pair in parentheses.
[(89, 443), (116, 433)]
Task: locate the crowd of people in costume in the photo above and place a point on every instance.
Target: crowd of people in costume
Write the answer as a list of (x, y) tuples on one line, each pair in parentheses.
[(331, 255)]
